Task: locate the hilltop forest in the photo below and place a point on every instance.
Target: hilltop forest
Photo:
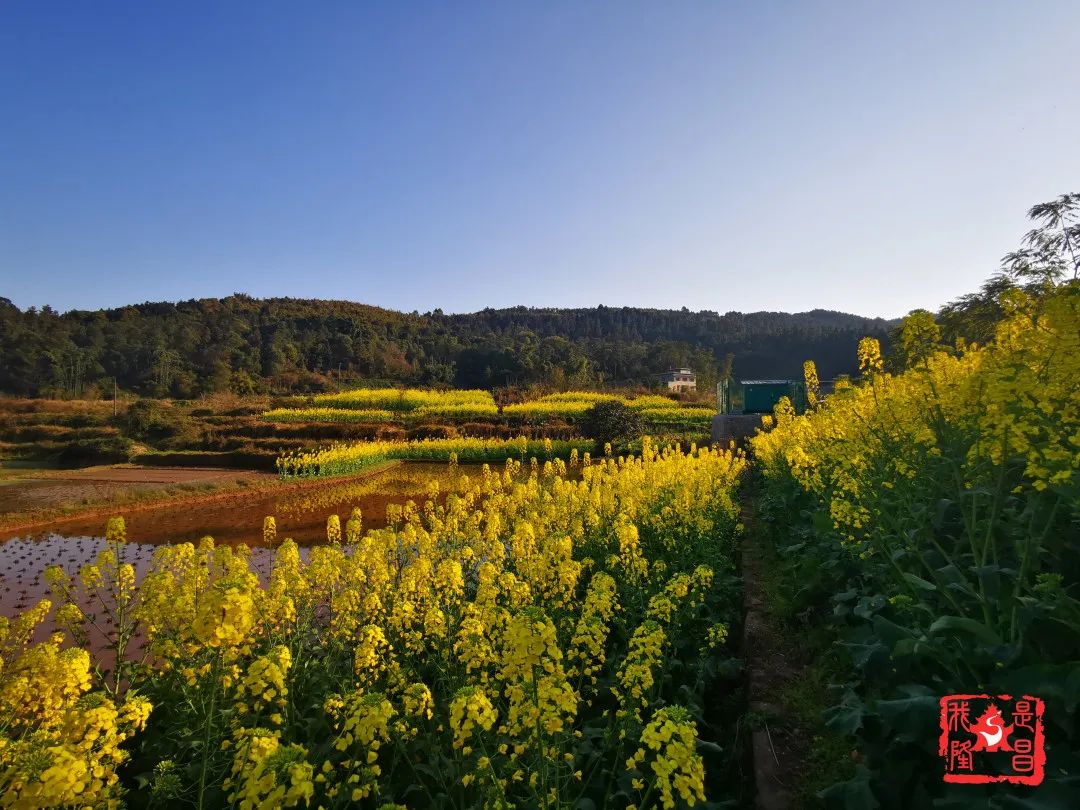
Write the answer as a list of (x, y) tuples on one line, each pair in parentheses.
[(282, 345)]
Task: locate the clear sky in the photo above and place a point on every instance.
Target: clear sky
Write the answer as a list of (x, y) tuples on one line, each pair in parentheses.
[(867, 157)]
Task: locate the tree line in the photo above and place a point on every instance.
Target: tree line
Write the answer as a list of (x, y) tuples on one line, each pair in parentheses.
[(247, 345), (284, 345)]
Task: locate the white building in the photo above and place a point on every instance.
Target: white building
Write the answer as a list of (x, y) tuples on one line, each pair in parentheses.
[(680, 380)]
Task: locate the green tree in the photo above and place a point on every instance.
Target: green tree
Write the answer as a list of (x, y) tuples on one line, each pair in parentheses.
[(166, 364), (1051, 251), (70, 366), (241, 383), (974, 316), (1048, 253), (613, 422)]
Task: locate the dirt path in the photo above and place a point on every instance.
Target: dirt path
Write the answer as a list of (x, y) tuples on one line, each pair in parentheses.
[(779, 748)]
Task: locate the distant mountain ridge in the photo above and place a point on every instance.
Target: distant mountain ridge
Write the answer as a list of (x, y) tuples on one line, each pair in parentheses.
[(243, 343), (545, 318)]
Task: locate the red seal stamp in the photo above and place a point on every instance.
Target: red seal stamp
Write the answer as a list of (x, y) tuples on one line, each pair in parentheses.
[(992, 738)]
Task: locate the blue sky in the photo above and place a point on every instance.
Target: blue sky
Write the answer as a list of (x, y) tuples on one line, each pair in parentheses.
[(867, 157)]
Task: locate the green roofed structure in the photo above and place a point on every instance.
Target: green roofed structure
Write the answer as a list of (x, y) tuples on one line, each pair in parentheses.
[(758, 396)]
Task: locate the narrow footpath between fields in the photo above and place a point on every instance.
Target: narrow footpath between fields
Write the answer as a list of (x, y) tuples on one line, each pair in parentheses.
[(793, 755)]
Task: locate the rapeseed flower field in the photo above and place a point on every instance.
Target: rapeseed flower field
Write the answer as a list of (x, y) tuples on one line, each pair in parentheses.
[(531, 639)]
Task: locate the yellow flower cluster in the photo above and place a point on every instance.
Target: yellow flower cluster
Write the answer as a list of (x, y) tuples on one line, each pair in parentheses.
[(267, 774), (470, 709), (343, 459), (197, 598), (372, 655), (637, 674), (682, 592), (1016, 399), (407, 399), (968, 462), (813, 384), (587, 647), (482, 630), (263, 685), (304, 415), (869, 356), (366, 720), (572, 405), (60, 743), (417, 701), (670, 741), (535, 684), (389, 405)]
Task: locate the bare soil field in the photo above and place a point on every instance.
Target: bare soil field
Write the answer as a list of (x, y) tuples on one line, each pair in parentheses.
[(38, 493)]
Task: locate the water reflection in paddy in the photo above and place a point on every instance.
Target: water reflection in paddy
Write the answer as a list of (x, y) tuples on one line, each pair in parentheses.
[(300, 513)]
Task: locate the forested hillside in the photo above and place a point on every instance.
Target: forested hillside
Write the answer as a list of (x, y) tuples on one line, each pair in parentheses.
[(283, 344), (244, 345)]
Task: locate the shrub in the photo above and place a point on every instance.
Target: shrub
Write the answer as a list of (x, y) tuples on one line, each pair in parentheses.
[(113, 450), (149, 420), (390, 433), (486, 430), (611, 422), (432, 432)]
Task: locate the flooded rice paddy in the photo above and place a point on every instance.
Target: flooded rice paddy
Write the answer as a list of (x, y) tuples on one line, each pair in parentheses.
[(300, 513)]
